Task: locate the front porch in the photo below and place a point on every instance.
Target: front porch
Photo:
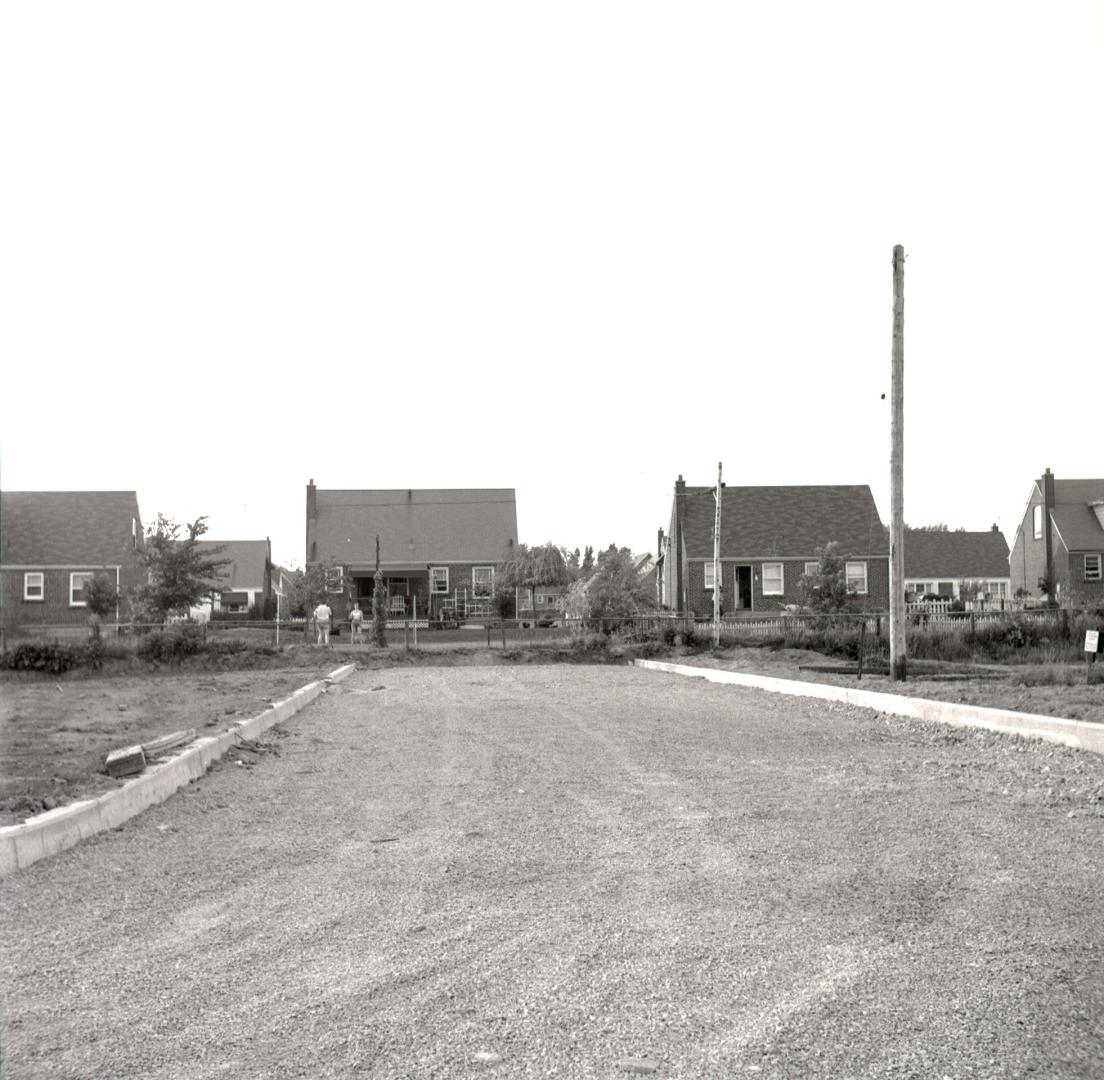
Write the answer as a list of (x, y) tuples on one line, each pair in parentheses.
[(411, 595)]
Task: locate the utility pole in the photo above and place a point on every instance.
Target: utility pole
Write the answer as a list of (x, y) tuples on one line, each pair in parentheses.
[(717, 563), (897, 651)]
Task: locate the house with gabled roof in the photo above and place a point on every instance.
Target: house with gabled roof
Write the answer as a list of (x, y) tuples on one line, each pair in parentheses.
[(53, 542), (246, 579), (939, 563), (768, 539), (438, 547), (1060, 541)]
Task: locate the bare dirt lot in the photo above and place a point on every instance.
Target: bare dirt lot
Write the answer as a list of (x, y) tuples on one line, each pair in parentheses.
[(55, 731)]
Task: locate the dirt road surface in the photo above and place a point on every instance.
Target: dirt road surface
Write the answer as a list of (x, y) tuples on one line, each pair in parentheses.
[(578, 872)]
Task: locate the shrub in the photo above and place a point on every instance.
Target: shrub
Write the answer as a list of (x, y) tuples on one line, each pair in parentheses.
[(172, 645), (51, 657)]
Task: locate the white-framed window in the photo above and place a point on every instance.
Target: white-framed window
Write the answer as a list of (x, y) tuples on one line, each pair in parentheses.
[(34, 585), (438, 579), (856, 576), (77, 582), (483, 580), (773, 579), (811, 568), (710, 580), (335, 579), (996, 588), (523, 600), (1092, 567), (1037, 522)]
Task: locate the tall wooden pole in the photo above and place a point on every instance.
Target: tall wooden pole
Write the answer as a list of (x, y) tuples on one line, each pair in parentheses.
[(717, 563), (897, 651)]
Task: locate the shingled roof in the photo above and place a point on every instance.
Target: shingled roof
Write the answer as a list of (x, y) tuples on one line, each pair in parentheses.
[(246, 569), (955, 554), (1079, 525), (784, 522), (415, 527), (68, 528)]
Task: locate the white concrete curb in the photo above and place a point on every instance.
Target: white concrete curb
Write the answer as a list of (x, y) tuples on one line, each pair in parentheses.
[(47, 834), (1079, 734)]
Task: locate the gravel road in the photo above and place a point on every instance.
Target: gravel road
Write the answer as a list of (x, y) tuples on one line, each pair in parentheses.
[(578, 872)]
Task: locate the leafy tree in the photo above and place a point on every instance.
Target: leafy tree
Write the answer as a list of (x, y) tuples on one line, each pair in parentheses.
[(101, 597), (826, 590), (181, 574), (614, 589), (588, 561), (573, 567), (531, 567)]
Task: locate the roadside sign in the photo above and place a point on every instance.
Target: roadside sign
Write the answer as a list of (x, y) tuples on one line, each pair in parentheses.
[(1092, 641)]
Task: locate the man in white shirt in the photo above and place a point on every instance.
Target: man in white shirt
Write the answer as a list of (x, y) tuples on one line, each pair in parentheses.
[(322, 617)]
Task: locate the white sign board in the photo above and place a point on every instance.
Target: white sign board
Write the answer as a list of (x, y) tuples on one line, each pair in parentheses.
[(1092, 641)]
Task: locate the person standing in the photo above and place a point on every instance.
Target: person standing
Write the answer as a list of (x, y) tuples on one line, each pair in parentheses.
[(322, 618), (356, 621)]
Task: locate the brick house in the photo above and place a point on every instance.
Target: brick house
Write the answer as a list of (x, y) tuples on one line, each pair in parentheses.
[(1060, 537), (769, 537), (52, 542), (438, 547), (245, 581), (940, 563)]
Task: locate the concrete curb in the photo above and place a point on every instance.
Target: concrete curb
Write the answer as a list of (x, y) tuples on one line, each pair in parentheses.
[(1079, 734), (47, 834)]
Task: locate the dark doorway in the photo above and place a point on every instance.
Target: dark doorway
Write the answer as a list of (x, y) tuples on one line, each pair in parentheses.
[(743, 588)]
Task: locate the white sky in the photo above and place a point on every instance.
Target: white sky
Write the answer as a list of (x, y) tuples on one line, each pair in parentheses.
[(570, 248)]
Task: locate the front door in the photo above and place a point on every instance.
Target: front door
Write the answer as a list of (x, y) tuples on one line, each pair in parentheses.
[(742, 599)]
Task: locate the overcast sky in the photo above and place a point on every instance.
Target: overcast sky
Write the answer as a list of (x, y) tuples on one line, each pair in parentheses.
[(575, 249)]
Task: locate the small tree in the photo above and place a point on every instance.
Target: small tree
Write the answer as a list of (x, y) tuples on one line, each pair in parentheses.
[(615, 589), (530, 568), (181, 574), (379, 611), (826, 590), (100, 597)]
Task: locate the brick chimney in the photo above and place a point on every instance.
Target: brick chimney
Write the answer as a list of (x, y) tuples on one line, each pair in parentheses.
[(678, 601), (1048, 505)]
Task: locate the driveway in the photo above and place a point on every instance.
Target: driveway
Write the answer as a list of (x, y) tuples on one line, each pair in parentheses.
[(578, 872)]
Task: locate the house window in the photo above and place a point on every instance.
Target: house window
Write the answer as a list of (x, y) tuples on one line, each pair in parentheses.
[(710, 579), (438, 579), (1092, 567), (811, 568), (997, 588), (1037, 522), (856, 577), (34, 586), (483, 580), (76, 589), (773, 581)]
